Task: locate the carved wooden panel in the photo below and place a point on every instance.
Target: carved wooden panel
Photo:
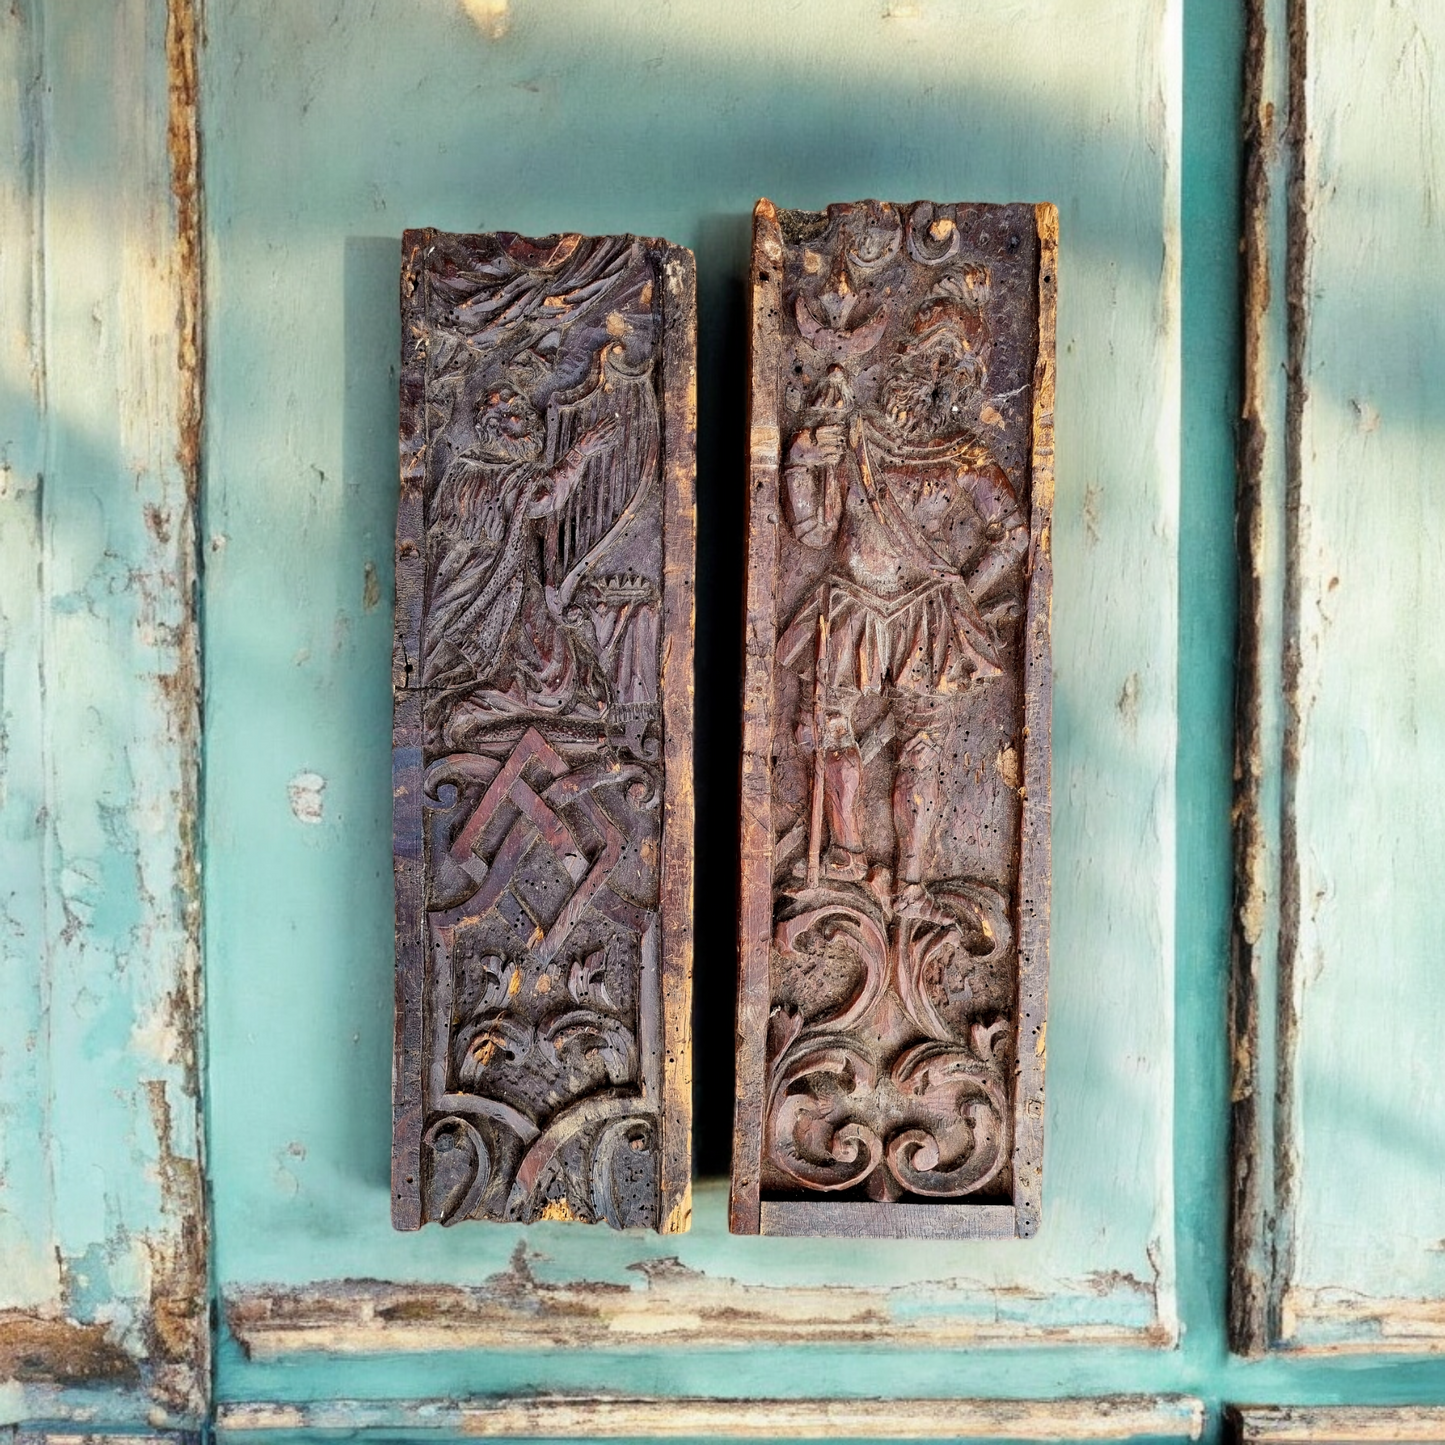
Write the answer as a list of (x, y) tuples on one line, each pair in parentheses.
[(542, 679), (895, 834)]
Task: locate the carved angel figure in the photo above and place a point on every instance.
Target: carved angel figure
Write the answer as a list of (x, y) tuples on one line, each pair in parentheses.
[(498, 638)]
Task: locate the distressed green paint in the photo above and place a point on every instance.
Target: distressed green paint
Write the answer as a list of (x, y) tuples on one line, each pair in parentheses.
[(331, 132), (323, 125), (97, 726), (1368, 1092)]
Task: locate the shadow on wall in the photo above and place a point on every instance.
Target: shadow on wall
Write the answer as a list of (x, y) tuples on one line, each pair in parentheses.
[(327, 140), (699, 119)]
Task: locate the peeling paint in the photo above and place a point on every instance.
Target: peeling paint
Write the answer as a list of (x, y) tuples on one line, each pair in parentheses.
[(306, 794), (614, 1416), (109, 698), (671, 1304)]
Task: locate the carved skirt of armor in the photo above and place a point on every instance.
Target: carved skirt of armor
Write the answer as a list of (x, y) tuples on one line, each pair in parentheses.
[(918, 642)]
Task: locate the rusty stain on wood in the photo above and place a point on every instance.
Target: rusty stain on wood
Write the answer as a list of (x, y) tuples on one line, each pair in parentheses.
[(608, 1417), (42, 1349)]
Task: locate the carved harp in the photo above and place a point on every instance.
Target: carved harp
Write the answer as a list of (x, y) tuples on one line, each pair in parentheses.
[(615, 481)]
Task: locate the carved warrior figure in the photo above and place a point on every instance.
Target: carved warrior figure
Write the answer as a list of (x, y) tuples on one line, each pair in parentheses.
[(904, 344), (538, 733)]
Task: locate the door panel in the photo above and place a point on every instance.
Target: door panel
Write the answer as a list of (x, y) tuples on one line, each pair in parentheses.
[(328, 139), (102, 1229), (1342, 1199)]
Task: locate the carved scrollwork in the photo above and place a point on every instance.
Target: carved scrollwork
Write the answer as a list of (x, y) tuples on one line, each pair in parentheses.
[(623, 1171), (932, 955), (842, 934), (932, 239), (965, 1098), (459, 1166), (937, 1119), (815, 1137)]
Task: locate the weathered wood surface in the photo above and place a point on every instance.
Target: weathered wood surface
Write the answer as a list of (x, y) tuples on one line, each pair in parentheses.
[(542, 676), (103, 1249), (1336, 1424), (897, 709), (1339, 1008), (567, 1417)]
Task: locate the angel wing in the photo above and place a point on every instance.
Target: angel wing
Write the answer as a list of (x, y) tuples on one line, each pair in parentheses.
[(615, 482)]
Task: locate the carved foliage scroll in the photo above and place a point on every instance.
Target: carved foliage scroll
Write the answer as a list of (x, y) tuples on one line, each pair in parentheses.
[(542, 680), (896, 754)]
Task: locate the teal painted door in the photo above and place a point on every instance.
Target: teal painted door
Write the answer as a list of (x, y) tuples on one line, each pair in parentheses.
[(197, 489)]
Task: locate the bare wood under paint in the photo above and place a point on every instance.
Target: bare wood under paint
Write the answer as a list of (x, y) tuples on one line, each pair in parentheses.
[(1112, 1417)]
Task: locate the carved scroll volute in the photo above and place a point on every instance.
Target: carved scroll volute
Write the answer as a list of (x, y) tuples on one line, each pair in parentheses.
[(895, 768), (543, 733)]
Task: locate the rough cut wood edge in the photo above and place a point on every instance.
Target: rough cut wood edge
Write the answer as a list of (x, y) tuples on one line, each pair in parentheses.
[(679, 546), (37, 1435), (406, 744), (1335, 1424), (678, 272), (1035, 878), (746, 1213), (759, 634), (1115, 1417), (1274, 248)]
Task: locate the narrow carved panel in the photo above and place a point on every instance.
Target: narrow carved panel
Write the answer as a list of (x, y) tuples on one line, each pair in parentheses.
[(896, 753), (542, 680)]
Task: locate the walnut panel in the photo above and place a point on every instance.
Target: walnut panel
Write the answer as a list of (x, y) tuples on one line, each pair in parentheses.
[(895, 829), (542, 679)]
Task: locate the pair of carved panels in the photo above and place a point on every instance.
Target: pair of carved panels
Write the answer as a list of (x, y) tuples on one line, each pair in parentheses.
[(894, 824)]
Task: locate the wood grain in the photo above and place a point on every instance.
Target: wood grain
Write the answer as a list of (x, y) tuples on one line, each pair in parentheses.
[(1336, 1424), (1339, 846), (542, 680), (1110, 1417), (897, 699)]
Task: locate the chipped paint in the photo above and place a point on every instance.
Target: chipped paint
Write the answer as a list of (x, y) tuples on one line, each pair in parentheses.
[(668, 1303), (1331, 1424), (610, 1417), (99, 694), (306, 794), (59, 1351)]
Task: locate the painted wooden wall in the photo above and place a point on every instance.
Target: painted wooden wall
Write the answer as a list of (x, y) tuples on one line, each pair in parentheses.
[(1344, 1224), (102, 1232), (338, 132), (230, 210)]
